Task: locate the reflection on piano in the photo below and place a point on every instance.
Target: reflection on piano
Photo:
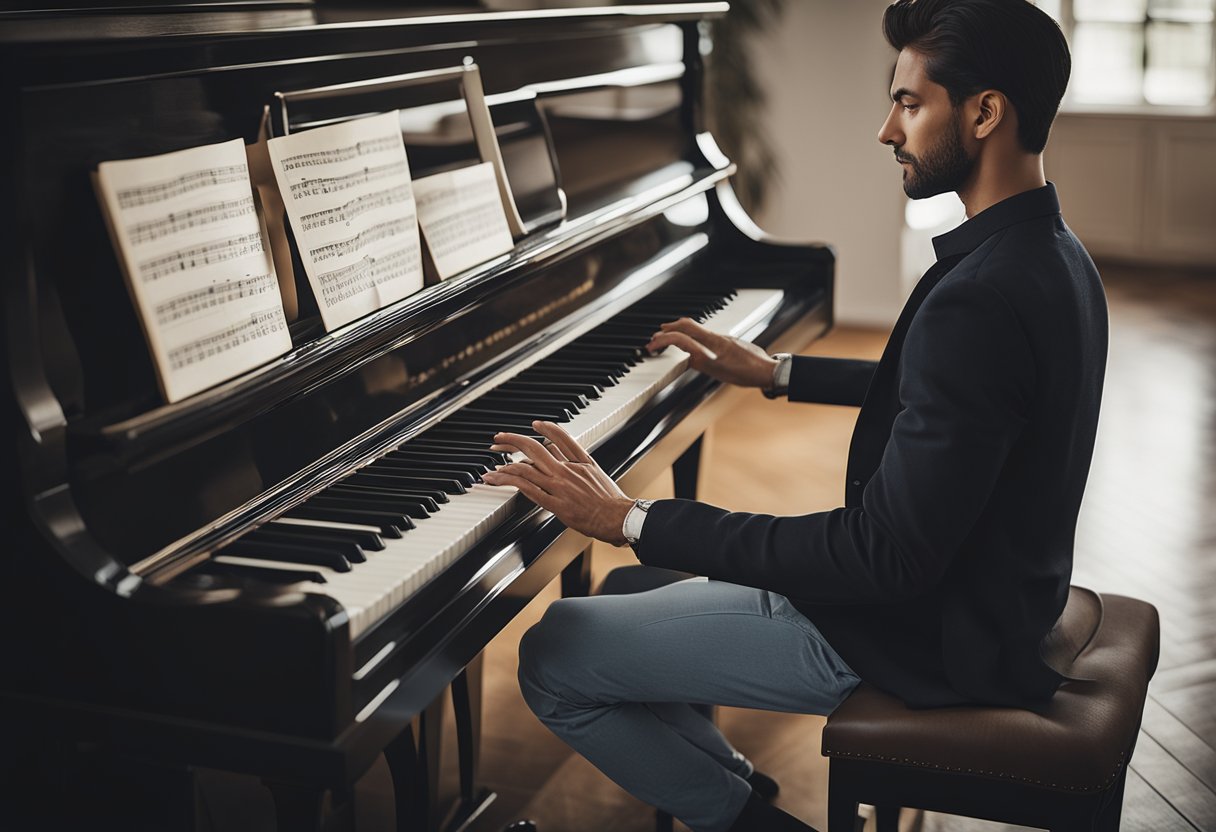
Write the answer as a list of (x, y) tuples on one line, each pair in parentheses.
[(286, 575)]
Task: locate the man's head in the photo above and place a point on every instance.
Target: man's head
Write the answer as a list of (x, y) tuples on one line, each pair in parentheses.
[(971, 75)]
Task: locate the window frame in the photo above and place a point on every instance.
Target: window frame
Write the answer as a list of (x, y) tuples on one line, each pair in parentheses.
[(1068, 22)]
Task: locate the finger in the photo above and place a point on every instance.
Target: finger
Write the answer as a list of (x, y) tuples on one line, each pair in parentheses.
[(532, 449), (552, 448), (564, 442), (523, 470), (680, 341), (658, 341), (690, 327), (504, 448), (690, 345), (529, 489)]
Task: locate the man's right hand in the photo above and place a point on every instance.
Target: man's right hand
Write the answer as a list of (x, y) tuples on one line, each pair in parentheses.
[(727, 359)]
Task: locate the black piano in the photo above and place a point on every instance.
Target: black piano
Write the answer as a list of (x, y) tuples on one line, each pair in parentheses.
[(283, 575)]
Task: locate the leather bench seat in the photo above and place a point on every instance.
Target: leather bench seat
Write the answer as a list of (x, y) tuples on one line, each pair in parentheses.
[(1106, 644)]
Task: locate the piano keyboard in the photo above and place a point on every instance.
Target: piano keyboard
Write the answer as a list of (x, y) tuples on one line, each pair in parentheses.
[(374, 538)]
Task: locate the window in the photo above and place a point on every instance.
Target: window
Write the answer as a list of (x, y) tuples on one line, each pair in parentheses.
[(1134, 52)]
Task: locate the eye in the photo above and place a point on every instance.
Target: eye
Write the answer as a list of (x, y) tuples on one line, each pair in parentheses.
[(910, 108)]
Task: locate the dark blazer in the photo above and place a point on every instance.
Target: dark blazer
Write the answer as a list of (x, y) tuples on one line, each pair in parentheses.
[(941, 577)]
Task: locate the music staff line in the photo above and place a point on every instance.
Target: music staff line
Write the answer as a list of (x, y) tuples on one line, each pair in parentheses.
[(380, 231), (349, 281), (216, 295), (184, 184), (471, 225), (216, 251), (356, 207), (379, 144), (335, 184), (174, 223), (260, 323)]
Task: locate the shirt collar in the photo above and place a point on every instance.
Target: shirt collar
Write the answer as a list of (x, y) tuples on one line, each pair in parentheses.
[(1018, 208)]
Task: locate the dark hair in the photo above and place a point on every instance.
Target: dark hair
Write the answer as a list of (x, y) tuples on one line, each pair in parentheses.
[(974, 45)]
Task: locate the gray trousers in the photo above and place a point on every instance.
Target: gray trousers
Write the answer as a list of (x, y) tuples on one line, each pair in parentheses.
[(614, 675)]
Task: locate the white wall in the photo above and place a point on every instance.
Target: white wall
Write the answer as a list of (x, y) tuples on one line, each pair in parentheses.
[(827, 71)]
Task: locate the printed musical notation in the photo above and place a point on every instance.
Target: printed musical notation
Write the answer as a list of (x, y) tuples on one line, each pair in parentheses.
[(351, 203), (462, 218), (190, 244), (195, 180)]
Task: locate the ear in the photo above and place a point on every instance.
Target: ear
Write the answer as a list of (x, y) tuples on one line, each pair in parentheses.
[(991, 108)]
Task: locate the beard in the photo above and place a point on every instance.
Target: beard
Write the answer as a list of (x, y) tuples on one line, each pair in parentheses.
[(944, 167)]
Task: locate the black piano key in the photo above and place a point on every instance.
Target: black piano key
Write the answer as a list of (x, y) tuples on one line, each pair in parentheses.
[(589, 366), (584, 389), (422, 469), (525, 410), (315, 555), (480, 461), (367, 541), (403, 512), (420, 505), (263, 573), (481, 435), (389, 477), (440, 444), (473, 423), (346, 547), (565, 374), (389, 527), (604, 346), (571, 404), (625, 329), (392, 504), (629, 354), (437, 463)]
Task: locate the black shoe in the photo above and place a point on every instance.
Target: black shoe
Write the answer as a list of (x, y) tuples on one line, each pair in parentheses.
[(763, 786), (758, 816)]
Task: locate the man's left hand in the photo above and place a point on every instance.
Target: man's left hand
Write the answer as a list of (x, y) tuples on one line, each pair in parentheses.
[(563, 478)]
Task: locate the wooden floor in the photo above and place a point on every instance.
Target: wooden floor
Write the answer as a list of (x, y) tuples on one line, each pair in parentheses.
[(1148, 529)]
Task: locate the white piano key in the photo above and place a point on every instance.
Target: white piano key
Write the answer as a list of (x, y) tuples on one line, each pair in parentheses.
[(390, 576)]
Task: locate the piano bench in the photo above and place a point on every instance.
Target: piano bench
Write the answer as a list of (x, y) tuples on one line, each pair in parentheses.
[(1060, 768)]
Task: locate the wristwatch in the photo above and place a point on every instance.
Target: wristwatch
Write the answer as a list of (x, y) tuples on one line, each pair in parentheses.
[(632, 527), (781, 375)]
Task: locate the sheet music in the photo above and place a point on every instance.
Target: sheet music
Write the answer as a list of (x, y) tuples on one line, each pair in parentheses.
[(348, 195), (462, 218), (191, 246)]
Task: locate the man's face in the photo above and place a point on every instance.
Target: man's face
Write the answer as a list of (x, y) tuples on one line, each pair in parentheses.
[(926, 131)]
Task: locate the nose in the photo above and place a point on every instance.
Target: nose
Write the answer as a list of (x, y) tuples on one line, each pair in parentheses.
[(890, 133)]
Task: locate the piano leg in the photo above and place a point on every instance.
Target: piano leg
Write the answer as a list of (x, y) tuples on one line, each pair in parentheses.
[(684, 471), (415, 771), (576, 577), (466, 702)]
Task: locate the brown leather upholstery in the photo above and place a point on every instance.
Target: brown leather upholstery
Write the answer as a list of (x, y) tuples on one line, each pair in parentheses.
[(1106, 644)]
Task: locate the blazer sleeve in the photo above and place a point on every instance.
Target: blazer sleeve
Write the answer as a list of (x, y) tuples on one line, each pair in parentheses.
[(823, 380), (967, 378)]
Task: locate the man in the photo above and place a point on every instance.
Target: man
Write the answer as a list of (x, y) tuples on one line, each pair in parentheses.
[(949, 563)]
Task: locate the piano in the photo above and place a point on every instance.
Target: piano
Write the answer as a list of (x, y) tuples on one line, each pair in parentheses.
[(285, 575)]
